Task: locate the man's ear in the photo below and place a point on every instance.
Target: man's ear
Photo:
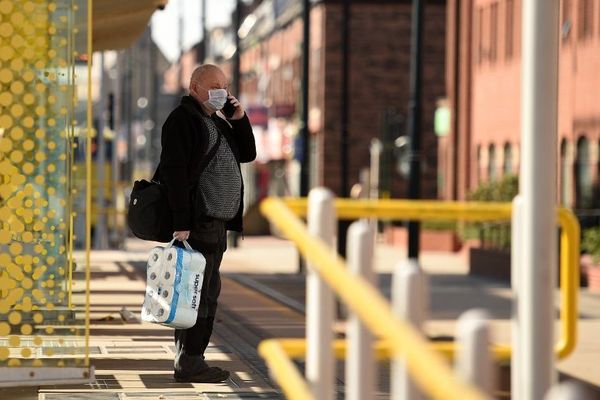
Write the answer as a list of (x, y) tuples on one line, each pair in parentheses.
[(192, 89)]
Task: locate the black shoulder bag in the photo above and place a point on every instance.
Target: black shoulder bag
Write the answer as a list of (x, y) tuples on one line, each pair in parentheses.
[(149, 215)]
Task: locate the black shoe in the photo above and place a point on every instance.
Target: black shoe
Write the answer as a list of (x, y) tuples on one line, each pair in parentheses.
[(209, 375)]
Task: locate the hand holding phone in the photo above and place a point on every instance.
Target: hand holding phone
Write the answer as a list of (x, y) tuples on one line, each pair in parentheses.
[(228, 109)]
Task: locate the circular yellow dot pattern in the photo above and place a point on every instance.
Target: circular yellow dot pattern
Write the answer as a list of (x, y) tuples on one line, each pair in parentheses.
[(36, 179), (38, 318), (14, 318), (4, 329), (14, 341)]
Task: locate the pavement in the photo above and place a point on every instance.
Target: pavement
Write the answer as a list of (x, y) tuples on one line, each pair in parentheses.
[(134, 360), (453, 291)]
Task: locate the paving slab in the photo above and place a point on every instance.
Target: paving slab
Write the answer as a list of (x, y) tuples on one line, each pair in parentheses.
[(134, 360)]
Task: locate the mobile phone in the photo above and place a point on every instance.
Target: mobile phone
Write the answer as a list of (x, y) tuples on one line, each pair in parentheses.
[(228, 109)]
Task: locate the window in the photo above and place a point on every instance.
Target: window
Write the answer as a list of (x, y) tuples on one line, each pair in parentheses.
[(565, 181), (494, 32), (508, 159), (586, 18), (510, 26), (492, 163), (583, 174)]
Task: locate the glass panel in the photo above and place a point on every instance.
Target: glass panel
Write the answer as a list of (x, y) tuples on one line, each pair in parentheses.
[(39, 325)]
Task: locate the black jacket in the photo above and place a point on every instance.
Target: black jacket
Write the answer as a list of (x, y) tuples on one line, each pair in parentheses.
[(184, 144)]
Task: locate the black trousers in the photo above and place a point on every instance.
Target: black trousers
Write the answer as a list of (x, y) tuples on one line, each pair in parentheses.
[(210, 238)]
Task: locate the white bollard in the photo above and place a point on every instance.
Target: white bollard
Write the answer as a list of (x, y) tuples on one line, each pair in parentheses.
[(360, 359), (567, 391), (473, 359), (515, 255), (410, 302), (537, 186), (320, 367)]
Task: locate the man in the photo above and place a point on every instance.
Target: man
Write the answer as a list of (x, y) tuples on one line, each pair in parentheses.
[(200, 166)]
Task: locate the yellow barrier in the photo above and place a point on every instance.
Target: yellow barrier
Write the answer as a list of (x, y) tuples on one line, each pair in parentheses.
[(296, 349), (569, 281), (427, 368), (478, 211), (284, 370), (400, 338), (422, 210)]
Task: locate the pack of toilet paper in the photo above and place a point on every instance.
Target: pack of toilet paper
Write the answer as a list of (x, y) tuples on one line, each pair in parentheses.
[(173, 286)]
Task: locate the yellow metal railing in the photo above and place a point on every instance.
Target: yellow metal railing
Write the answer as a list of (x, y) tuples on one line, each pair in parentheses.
[(397, 337), (427, 368), (427, 210), (284, 370)]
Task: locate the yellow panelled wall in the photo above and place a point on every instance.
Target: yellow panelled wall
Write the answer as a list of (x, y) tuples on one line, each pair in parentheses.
[(38, 324)]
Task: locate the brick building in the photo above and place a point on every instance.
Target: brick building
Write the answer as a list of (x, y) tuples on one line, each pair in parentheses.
[(379, 37), (483, 84)]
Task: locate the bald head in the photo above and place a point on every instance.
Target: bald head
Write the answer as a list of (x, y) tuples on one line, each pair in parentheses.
[(209, 74), (204, 78)]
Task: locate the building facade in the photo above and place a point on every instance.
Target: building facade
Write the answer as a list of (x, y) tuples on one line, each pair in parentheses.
[(483, 79), (379, 54)]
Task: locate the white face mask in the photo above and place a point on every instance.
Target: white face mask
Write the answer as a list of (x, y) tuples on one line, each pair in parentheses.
[(216, 99)]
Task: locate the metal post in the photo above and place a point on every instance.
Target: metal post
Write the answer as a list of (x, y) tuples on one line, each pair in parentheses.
[(181, 14), (473, 360), (410, 302), (146, 92), (305, 150), (538, 259), (237, 56), (515, 255), (100, 233), (154, 92), (236, 87), (204, 32), (568, 391), (414, 122), (344, 114), (304, 132), (117, 235), (360, 360), (375, 150), (128, 99), (319, 300)]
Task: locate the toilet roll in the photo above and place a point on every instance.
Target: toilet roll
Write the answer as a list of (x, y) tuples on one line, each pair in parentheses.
[(184, 318), (148, 310), (154, 260), (170, 266), (167, 295), (173, 286)]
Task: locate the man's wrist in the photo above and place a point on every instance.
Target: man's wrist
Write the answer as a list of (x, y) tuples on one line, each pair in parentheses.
[(240, 118)]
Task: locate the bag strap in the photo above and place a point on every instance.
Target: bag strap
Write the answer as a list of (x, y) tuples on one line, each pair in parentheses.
[(211, 154), (205, 161), (213, 151)]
